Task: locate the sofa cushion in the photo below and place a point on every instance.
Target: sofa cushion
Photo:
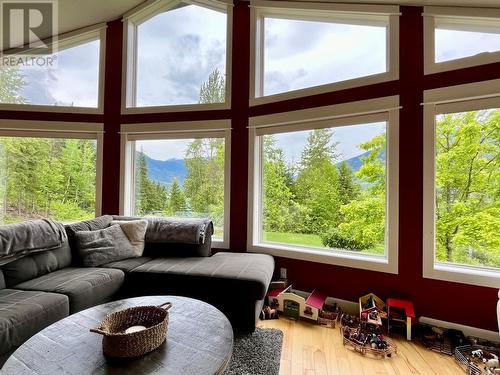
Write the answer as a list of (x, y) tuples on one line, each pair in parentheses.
[(221, 274), (36, 265), (24, 313), (127, 265), (85, 287), (88, 225), (135, 230), (2, 280), (102, 246)]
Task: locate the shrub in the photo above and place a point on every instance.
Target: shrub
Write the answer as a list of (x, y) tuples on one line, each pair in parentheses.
[(333, 238)]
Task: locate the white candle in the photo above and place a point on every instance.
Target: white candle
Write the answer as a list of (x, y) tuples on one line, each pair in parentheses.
[(135, 329)]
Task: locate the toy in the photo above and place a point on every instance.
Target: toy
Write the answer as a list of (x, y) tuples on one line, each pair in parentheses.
[(272, 297), (408, 314), (363, 338), (268, 313), (371, 309), (477, 359)]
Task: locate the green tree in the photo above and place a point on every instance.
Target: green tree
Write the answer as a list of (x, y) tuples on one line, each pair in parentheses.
[(317, 185), (468, 187), (204, 184), (177, 198), (320, 147), (213, 90), (151, 197), (362, 224), (278, 198), (349, 189), (11, 83)]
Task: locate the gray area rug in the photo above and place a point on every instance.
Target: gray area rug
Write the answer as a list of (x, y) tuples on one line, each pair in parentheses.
[(257, 353)]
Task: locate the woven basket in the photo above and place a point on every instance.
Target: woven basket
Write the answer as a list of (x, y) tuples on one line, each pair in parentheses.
[(118, 344)]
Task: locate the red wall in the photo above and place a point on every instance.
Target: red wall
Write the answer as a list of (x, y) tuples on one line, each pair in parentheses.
[(470, 305)]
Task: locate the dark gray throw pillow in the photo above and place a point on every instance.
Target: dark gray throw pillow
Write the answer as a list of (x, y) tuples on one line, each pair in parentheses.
[(103, 246)]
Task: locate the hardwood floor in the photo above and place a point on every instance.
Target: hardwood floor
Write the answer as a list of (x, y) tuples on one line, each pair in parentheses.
[(310, 349)]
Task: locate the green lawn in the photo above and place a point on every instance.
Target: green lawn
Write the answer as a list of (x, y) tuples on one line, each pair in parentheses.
[(301, 239)]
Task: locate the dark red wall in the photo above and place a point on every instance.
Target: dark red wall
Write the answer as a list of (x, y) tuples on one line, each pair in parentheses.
[(454, 302)]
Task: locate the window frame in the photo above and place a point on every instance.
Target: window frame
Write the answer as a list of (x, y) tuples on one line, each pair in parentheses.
[(173, 130), (455, 15), (62, 130), (303, 10), (354, 113), (451, 99), (144, 12), (66, 41)]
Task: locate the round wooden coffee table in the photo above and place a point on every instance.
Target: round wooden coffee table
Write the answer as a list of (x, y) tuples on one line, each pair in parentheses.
[(199, 341)]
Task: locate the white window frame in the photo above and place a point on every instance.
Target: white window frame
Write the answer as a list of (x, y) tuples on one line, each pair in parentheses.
[(460, 98), (173, 130), (363, 14), (143, 13), (62, 130), (460, 17), (66, 41), (366, 111)]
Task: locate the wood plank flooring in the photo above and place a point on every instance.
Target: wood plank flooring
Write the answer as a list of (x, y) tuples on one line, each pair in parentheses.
[(310, 349)]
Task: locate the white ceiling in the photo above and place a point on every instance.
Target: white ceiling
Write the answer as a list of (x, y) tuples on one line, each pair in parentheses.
[(75, 14)]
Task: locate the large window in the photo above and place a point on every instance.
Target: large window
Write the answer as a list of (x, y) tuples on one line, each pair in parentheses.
[(456, 38), (324, 187), (177, 55), (462, 199), (179, 175), (48, 175), (69, 78), (298, 49)]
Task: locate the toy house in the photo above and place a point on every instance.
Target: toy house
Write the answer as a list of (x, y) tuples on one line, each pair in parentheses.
[(295, 306), (272, 298), (371, 309), (314, 304)]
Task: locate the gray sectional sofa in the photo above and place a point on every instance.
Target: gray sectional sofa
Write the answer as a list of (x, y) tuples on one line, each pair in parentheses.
[(43, 287)]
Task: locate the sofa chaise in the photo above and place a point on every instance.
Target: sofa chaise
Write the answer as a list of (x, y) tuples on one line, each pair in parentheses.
[(42, 287)]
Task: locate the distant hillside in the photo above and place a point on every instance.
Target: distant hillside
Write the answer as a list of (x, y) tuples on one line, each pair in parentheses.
[(355, 162), (164, 171)]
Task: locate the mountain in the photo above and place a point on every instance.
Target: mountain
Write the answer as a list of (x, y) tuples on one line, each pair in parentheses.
[(164, 171), (355, 162)]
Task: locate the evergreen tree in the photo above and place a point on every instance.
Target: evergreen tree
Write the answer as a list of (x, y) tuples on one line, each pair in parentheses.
[(349, 189), (177, 199), (319, 148), (213, 90), (317, 186)]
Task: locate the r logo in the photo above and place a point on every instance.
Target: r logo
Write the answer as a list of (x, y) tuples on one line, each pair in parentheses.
[(24, 26)]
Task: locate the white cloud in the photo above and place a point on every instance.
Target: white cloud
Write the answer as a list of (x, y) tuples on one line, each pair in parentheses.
[(177, 50), (73, 81), (164, 149)]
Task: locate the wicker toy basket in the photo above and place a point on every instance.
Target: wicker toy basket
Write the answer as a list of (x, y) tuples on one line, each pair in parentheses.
[(118, 344)]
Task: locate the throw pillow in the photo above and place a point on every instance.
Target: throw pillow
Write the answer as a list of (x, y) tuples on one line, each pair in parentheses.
[(135, 230), (103, 246)]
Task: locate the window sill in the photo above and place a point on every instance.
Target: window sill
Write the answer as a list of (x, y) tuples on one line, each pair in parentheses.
[(463, 274), (334, 257), (326, 88), (176, 108), (49, 108)]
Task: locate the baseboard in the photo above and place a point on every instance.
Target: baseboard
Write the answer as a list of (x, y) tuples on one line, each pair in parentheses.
[(351, 307), (467, 330)]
